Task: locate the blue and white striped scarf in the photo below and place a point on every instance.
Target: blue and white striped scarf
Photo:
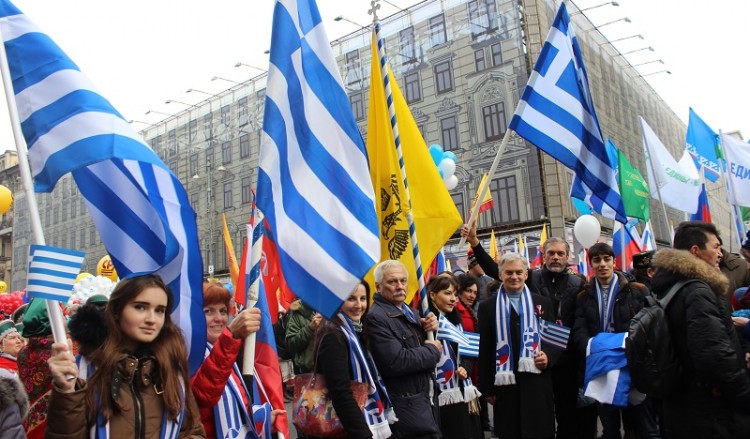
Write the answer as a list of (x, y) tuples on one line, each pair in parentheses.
[(231, 416), (504, 362), (170, 429), (378, 410), (606, 323), (447, 367)]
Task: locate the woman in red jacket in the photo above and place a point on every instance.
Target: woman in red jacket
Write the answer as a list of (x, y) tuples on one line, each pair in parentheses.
[(218, 387)]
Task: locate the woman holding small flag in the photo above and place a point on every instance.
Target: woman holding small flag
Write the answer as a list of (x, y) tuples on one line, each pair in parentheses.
[(135, 384), (458, 398), (341, 356), (218, 386)]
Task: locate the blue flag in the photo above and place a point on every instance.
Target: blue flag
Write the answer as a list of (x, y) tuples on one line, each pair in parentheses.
[(139, 207), (314, 182), (701, 142), (556, 113), (579, 191)]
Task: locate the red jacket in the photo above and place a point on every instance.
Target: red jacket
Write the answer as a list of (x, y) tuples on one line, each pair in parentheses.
[(212, 377), (467, 317)]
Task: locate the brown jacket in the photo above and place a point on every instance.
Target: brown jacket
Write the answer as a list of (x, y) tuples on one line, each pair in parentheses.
[(68, 418)]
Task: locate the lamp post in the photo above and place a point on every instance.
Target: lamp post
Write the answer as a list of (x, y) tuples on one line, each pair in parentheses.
[(225, 79), (210, 212), (654, 73), (341, 17), (599, 6), (157, 112), (172, 101), (649, 62), (242, 64), (650, 49), (639, 36)]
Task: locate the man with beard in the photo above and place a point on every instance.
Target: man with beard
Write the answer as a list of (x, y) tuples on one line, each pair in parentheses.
[(714, 400), (405, 359)]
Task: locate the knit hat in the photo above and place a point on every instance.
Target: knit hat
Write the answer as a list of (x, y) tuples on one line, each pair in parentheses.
[(17, 316), (7, 327), (643, 259)]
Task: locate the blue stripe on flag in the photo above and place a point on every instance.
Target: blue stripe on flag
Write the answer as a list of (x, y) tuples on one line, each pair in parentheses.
[(52, 272), (472, 349), (314, 184), (554, 334), (448, 331)]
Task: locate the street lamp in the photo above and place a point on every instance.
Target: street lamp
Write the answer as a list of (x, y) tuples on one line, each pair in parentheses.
[(599, 6), (639, 36), (651, 49), (341, 17), (654, 73), (210, 211), (190, 90), (172, 101), (225, 79), (157, 112), (242, 64), (649, 62), (625, 19)]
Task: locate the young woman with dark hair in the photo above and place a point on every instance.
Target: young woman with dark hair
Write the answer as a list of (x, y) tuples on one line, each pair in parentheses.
[(135, 383)]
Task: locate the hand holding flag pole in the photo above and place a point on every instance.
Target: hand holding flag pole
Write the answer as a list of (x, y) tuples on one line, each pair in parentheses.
[(53, 310)]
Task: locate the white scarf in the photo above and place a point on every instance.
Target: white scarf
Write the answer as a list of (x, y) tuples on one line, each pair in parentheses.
[(504, 362), (606, 323)]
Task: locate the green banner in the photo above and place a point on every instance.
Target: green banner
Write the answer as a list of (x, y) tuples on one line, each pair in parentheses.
[(633, 189)]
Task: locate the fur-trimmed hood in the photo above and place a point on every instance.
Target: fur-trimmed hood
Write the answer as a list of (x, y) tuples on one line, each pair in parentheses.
[(12, 393), (684, 264)]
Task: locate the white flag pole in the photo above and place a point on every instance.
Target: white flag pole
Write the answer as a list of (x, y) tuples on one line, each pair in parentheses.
[(255, 239), (731, 190), (650, 163), (53, 309)]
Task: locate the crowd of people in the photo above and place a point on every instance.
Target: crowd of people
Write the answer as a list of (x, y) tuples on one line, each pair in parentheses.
[(125, 374)]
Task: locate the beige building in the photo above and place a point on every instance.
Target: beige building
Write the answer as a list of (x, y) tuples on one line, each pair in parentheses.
[(462, 65)]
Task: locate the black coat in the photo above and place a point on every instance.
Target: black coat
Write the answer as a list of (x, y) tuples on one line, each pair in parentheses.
[(407, 367), (715, 399), (529, 403), (333, 363), (629, 300), (562, 288)]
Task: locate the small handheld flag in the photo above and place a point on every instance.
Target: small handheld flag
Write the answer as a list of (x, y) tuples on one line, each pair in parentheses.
[(52, 272)]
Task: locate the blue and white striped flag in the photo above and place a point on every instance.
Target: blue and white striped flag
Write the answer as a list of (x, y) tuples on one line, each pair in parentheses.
[(554, 334), (472, 349), (556, 113), (450, 332), (139, 207), (314, 182), (579, 190), (52, 272)]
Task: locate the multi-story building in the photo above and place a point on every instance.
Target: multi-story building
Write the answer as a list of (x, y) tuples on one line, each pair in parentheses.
[(461, 65)]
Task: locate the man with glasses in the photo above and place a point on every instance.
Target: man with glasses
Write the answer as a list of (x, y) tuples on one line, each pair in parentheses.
[(397, 338)]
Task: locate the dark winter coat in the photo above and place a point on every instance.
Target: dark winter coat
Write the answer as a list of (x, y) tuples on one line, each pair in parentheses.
[(407, 367), (334, 364), (628, 301), (529, 403), (13, 408), (561, 288), (715, 399)]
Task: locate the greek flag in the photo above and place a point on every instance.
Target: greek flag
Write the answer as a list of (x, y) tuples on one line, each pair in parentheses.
[(52, 272), (554, 334), (472, 349), (139, 207), (450, 332), (314, 182), (580, 191), (556, 113)]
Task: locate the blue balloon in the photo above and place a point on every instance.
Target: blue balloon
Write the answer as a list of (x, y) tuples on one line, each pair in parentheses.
[(449, 155), (229, 287), (436, 152), (440, 171)]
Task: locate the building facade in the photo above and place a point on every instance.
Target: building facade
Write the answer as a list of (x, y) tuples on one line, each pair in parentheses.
[(461, 65)]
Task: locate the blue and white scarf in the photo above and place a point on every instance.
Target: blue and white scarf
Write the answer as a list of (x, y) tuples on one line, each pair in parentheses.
[(447, 367), (170, 429), (378, 410), (504, 362), (231, 417), (606, 323)]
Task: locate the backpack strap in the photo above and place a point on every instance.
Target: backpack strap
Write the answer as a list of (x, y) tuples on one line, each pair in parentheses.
[(664, 301)]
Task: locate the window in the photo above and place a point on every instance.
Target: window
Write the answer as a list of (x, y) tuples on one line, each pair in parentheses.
[(482, 17), (246, 190), (64, 216), (226, 115), (63, 239), (437, 30), (192, 130), (210, 153), (47, 218), (243, 112), (82, 238), (352, 67), (497, 54), (494, 121), (244, 146), (413, 87), (444, 77), (172, 142), (458, 200), (227, 195), (358, 107), (193, 164), (83, 206), (208, 126), (226, 152), (72, 238), (92, 235), (406, 41), (479, 60), (194, 201), (449, 133), (505, 193), (73, 209)]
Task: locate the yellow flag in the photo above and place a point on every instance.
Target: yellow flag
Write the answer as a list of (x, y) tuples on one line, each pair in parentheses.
[(543, 237), (435, 215), (493, 247), (234, 269), (487, 202)]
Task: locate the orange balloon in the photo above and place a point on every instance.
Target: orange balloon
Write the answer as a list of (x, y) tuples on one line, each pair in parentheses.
[(106, 268), (6, 199)]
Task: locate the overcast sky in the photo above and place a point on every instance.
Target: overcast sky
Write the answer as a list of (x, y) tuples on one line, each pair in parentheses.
[(141, 53)]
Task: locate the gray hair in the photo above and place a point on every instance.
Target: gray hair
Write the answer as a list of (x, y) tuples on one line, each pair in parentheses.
[(512, 257), (555, 240), (387, 265)]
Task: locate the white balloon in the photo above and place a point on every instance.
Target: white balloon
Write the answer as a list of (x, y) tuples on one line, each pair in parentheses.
[(451, 182), (587, 230), (449, 168)]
